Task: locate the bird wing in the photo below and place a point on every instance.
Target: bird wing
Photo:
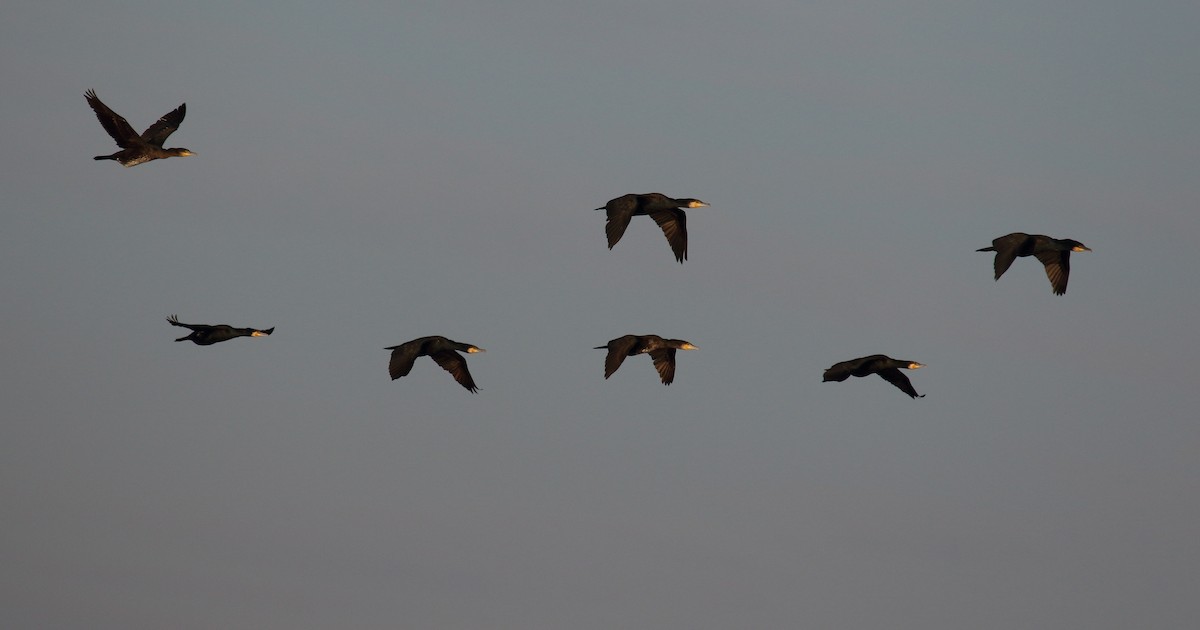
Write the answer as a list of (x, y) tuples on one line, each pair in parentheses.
[(619, 211), (174, 321), (674, 226), (837, 372), (1058, 267), (403, 357), (456, 365), (897, 378), (113, 123), (157, 133), (664, 362), (618, 349)]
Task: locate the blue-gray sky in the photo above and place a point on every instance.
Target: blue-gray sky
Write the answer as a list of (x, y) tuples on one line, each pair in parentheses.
[(369, 173)]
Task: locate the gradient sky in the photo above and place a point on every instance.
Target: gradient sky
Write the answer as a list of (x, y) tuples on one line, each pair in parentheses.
[(368, 173)]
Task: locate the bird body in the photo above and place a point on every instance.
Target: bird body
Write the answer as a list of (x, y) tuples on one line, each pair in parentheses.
[(445, 352), (662, 351), (207, 335), (667, 213), (1054, 254), (137, 149), (886, 367)]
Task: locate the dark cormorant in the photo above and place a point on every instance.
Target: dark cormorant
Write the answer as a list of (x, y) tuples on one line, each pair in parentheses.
[(1055, 254), (662, 351), (441, 350), (205, 335), (137, 149), (886, 367), (667, 213)]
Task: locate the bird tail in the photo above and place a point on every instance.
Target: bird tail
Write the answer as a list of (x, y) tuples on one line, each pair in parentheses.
[(104, 157), (600, 348), (183, 338), (987, 249)]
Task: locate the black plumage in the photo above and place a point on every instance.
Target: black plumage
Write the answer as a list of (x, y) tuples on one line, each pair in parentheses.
[(667, 213), (136, 149), (207, 335), (1054, 253), (662, 351), (443, 351), (885, 366)]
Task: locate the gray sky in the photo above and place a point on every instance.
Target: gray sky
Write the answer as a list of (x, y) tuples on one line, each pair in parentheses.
[(368, 174)]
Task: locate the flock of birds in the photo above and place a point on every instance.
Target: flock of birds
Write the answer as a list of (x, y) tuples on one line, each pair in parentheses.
[(668, 213)]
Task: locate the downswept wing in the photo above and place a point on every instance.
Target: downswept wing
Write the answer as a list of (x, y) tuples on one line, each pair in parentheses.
[(1006, 251), (403, 358), (897, 378), (618, 349), (1058, 267), (453, 363), (664, 362), (674, 227), (620, 212)]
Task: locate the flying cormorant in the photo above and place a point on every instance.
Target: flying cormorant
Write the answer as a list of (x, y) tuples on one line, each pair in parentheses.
[(441, 350), (662, 351), (886, 367), (667, 213), (205, 335), (1055, 254), (137, 149)]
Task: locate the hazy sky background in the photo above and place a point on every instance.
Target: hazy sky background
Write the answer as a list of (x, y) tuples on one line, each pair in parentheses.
[(370, 173)]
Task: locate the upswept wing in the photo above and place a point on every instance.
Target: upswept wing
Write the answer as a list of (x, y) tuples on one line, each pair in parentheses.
[(113, 123), (157, 133)]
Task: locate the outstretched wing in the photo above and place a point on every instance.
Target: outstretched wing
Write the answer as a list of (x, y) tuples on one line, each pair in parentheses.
[(113, 123), (664, 362), (456, 365), (1058, 267), (618, 349), (403, 357), (897, 378), (619, 211), (674, 226), (157, 133)]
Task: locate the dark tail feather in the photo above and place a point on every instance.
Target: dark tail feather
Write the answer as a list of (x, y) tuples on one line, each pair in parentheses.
[(105, 157), (600, 348), (987, 249)]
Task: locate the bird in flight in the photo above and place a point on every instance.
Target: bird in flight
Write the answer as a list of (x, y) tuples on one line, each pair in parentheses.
[(662, 351), (206, 335), (886, 367), (667, 213), (136, 149), (1054, 253), (443, 351)]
